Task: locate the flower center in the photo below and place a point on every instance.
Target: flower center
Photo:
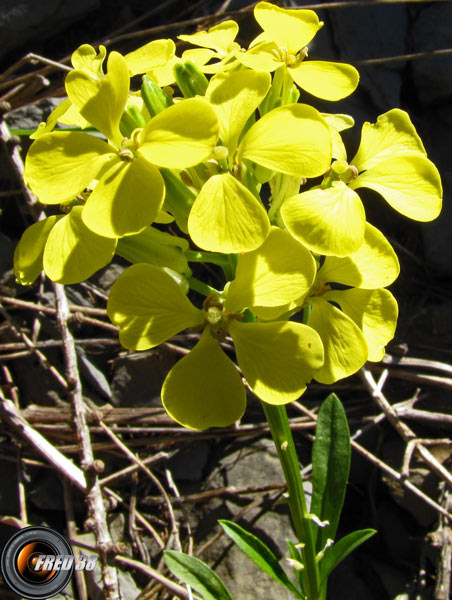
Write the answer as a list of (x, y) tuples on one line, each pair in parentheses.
[(129, 147), (321, 288), (340, 170)]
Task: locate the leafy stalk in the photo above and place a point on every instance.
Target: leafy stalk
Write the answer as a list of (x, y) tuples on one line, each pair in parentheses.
[(285, 447)]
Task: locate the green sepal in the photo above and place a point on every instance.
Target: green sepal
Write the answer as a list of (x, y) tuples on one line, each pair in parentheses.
[(259, 553), (335, 554), (330, 468), (196, 574), (154, 97), (191, 81), (156, 248), (179, 198), (131, 119)]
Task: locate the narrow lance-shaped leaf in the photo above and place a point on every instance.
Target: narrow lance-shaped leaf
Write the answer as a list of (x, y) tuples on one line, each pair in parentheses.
[(335, 554), (259, 553), (330, 467), (197, 574)]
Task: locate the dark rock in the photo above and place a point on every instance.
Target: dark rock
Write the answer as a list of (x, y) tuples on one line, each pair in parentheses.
[(45, 490), (436, 235), (189, 462), (432, 31), (24, 20), (7, 247), (138, 377), (367, 32)]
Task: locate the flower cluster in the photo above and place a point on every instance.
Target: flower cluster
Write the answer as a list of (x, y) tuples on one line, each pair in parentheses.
[(201, 145)]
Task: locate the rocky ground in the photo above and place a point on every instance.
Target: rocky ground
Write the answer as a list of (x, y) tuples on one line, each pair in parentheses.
[(235, 473)]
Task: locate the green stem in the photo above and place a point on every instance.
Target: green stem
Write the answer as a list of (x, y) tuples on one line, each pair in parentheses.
[(225, 261), (201, 287), (282, 437)]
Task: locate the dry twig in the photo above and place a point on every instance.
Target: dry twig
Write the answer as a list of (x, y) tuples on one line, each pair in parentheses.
[(97, 513)]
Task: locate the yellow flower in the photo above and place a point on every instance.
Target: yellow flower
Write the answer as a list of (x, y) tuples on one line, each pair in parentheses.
[(204, 389), (286, 33)]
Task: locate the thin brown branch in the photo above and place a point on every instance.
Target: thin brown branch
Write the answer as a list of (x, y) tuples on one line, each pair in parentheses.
[(402, 429), (94, 493), (15, 422)]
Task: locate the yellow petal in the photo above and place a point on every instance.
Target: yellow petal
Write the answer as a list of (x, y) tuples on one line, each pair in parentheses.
[(149, 307), (374, 265), (52, 119), (374, 311), (164, 217), (126, 199), (278, 272), (226, 217), (154, 54), (73, 252), (391, 136), (293, 139), (219, 37), (261, 57), (60, 165), (101, 102), (86, 59), (30, 250), (164, 75), (204, 389), (338, 123), (72, 117), (343, 341), (290, 29), (235, 96), (180, 136), (277, 359), (326, 80), (327, 221), (411, 184)]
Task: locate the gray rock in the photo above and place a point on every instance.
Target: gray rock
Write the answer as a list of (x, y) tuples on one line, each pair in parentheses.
[(30, 116), (432, 31), (255, 465), (24, 20)]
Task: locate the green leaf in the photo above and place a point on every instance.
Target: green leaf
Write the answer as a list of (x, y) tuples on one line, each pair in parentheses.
[(336, 553), (330, 467), (197, 574), (259, 553)]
